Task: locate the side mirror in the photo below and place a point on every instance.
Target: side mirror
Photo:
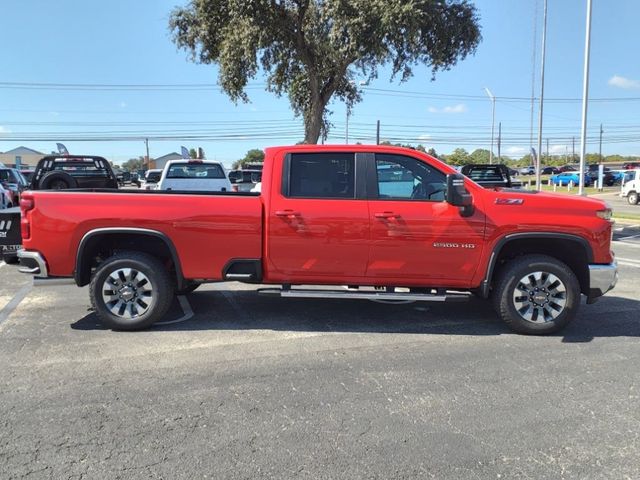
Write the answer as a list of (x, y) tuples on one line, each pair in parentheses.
[(457, 195)]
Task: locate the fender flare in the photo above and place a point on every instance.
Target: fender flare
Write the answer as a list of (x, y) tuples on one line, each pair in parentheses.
[(486, 283), (81, 279)]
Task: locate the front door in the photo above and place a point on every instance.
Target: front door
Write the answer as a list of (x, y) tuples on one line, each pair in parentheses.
[(416, 236), (318, 221)]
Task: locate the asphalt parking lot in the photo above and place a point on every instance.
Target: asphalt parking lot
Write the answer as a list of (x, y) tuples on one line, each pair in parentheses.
[(260, 387)]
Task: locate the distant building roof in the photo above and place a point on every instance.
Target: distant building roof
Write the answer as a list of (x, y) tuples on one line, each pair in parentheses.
[(169, 156), (23, 151)]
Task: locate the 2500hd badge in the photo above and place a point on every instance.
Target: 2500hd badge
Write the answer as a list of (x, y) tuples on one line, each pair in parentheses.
[(453, 245)]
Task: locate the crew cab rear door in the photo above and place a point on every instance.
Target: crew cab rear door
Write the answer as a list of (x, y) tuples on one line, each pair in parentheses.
[(318, 219), (416, 236)]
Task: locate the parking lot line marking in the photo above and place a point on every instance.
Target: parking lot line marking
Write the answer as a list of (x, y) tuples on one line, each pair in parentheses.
[(14, 302), (630, 236), (626, 244), (186, 310), (629, 260), (629, 264)]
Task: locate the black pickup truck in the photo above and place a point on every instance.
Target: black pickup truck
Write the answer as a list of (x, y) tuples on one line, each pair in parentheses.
[(490, 176), (55, 172), (61, 172)]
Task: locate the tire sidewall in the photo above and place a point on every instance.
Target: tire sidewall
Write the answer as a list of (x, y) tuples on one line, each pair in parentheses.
[(555, 267), (633, 198), (161, 291)]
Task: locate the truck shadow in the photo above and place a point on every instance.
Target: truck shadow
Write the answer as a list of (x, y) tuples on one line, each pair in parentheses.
[(246, 310)]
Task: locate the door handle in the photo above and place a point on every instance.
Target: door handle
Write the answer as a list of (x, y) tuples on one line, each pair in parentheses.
[(385, 215), (287, 213)]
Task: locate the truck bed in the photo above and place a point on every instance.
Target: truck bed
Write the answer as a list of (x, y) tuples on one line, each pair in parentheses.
[(207, 229)]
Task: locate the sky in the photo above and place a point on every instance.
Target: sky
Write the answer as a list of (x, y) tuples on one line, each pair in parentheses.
[(95, 70)]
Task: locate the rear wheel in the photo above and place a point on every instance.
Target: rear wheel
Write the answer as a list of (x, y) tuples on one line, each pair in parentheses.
[(632, 198), (131, 291), (536, 295)]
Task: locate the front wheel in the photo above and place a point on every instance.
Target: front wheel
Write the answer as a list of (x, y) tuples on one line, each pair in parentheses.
[(633, 198), (131, 291), (536, 295)]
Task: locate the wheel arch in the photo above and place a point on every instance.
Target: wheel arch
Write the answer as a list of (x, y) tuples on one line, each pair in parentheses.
[(101, 240), (572, 250)]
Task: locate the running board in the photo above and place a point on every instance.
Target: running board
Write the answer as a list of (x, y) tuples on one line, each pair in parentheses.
[(395, 296)]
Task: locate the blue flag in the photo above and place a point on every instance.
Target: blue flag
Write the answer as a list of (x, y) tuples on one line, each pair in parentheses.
[(185, 153), (62, 150)]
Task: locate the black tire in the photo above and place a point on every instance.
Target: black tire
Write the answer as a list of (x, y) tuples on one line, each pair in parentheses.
[(57, 181), (141, 308), (188, 288), (632, 198), (537, 298)]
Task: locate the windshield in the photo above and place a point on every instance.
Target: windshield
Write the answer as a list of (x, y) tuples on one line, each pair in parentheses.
[(195, 171)]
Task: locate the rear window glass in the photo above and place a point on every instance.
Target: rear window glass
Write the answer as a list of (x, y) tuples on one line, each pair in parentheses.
[(195, 171), (322, 175), (153, 177), (486, 174), (81, 169)]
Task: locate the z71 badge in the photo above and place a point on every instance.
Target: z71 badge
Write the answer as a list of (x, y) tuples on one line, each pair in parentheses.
[(453, 245)]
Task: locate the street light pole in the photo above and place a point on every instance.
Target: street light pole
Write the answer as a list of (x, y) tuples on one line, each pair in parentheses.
[(493, 120), (585, 98), (544, 48)]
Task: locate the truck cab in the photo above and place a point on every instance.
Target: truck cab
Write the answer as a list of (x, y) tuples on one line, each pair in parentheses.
[(194, 175), (631, 186)]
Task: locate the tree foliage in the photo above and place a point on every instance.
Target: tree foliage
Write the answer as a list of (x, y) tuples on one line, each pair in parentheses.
[(255, 155), (311, 50), (133, 164)]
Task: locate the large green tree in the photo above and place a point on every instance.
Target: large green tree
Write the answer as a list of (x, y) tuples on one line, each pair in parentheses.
[(311, 50)]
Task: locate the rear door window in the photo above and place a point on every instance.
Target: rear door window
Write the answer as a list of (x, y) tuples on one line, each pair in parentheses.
[(322, 175)]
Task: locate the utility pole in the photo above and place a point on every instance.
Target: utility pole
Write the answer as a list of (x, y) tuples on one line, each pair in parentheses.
[(493, 120), (547, 150), (378, 132), (499, 140), (544, 48), (573, 149), (600, 149), (146, 142), (585, 99), (346, 130)]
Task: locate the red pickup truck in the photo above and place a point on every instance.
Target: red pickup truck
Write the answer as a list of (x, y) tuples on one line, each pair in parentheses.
[(355, 221)]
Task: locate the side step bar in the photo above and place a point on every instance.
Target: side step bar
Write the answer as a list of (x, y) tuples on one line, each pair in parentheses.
[(395, 296)]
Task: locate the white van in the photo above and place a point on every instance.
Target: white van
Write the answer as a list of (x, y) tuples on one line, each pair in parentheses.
[(194, 175)]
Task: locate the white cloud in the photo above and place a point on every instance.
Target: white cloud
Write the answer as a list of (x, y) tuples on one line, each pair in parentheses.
[(516, 151), (623, 82), (459, 108), (4, 130), (424, 136), (558, 149)]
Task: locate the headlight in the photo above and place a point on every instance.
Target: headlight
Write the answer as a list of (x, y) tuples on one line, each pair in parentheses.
[(604, 214)]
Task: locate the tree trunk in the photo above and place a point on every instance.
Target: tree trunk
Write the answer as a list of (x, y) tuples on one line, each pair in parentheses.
[(313, 122)]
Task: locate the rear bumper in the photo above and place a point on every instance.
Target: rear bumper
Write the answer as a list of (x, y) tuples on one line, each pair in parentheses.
[(602, 278), (32, 263)]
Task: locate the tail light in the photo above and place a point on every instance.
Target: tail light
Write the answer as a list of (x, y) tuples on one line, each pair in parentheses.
[(26, 204)]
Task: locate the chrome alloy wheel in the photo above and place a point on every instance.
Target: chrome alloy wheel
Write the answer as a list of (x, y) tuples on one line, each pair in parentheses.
[(128, 293), (539, 297)]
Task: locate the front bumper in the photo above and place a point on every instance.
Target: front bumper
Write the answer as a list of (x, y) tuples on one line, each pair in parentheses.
[(602, 278)]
